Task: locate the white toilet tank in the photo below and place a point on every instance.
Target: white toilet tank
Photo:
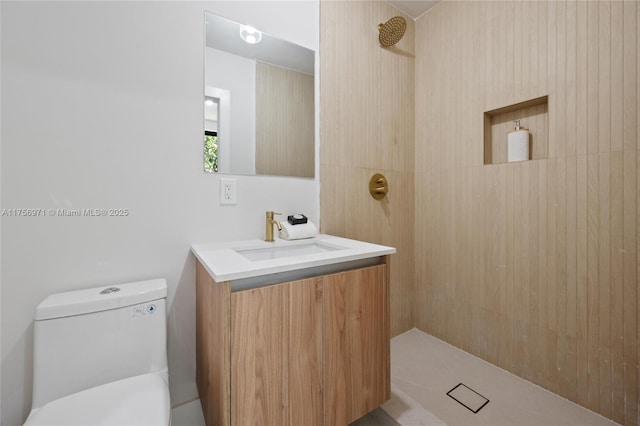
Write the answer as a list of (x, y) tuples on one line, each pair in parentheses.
[(90, 337)]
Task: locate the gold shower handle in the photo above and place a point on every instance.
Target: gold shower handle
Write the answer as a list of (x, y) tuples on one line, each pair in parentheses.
[(378, 186)]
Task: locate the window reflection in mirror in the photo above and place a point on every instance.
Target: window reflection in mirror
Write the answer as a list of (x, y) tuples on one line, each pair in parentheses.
[(211, 106), (263, 94)]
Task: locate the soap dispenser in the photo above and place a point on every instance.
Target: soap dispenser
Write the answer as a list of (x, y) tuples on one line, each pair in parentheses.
[(518, 143)]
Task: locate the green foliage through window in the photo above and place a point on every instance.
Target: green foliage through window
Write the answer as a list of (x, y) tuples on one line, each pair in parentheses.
[(210, 153)]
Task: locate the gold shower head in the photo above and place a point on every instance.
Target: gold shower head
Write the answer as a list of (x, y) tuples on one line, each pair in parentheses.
[(392, 31)]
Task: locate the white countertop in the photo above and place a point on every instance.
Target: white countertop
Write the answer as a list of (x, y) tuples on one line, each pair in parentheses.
[(224, 263)]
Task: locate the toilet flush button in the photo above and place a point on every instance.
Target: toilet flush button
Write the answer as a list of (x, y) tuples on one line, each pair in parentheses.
[(143, 310)]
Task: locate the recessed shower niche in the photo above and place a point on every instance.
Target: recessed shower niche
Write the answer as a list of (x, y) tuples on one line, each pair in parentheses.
[(532, 114)]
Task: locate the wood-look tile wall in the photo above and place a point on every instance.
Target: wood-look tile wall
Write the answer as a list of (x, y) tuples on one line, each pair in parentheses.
[(533, 266), (285, 132), (367, 126)]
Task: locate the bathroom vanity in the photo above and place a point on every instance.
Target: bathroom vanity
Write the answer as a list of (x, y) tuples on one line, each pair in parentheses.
[(292, 332)]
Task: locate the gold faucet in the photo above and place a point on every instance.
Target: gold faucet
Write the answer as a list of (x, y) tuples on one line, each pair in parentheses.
[(269, 226)]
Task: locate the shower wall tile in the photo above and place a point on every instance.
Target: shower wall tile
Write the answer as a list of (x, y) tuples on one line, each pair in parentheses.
[(368, 127), (334, 199), (369, 89), (533, 266)]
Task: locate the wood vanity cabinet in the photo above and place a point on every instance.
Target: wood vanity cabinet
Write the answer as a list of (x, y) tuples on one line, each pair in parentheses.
[(310, 352)]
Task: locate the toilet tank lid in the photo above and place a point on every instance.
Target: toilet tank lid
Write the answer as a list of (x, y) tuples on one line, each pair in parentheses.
[(100, 298)]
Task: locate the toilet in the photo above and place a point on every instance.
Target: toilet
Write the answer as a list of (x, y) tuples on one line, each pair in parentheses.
[(100, 357)]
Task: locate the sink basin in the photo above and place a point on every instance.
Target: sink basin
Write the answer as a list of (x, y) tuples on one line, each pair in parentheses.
[(254, 263), (280, 252)]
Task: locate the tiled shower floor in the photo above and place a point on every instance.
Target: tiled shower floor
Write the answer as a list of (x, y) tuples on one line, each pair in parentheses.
[(424, 369)]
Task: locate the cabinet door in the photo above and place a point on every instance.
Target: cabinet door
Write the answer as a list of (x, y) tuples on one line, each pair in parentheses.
[(276, 355), (356, 354)]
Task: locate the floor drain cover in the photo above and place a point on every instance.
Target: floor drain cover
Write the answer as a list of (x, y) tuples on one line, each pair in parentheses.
[(468, 397)]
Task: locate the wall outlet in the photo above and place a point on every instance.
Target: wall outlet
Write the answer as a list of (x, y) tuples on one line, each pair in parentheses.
[(228, 191)]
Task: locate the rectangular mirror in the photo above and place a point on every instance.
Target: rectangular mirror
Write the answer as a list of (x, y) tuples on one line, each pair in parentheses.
[(259, 102)]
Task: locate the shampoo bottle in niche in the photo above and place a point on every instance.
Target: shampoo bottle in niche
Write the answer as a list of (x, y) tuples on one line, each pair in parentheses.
[(518, 143)]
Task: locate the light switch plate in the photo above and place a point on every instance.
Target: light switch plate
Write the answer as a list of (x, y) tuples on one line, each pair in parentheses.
[(228, 194)]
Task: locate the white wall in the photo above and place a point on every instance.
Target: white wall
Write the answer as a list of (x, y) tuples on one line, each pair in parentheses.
[(211, 125), (102, 107), (237, 75)]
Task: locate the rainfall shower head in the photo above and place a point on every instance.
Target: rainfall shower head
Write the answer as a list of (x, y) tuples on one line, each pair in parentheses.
[(392, 31)]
